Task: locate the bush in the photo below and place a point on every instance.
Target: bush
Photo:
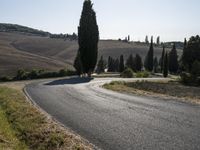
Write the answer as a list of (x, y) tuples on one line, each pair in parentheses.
[(128, 73), (143, 74), (5, 79)]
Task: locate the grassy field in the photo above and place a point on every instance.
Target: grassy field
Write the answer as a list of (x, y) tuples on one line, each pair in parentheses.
[(25, 127), (29, 52), (166, 90)]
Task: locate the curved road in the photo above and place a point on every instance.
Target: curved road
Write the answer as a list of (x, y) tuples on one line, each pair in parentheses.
[(117, 121)]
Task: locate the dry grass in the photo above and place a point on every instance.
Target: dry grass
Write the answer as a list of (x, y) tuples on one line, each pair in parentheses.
[(35, 52), (166, 90), (28, 125)]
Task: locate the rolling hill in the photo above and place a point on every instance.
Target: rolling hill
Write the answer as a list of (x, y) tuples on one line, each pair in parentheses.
[(22, 50)]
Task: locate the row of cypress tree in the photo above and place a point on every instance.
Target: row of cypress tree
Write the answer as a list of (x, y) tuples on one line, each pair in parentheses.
[(88, 38)]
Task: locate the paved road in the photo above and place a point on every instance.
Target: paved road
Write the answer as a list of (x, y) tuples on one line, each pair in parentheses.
[(117, 121)]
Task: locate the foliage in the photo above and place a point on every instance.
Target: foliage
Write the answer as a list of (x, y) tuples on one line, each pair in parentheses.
[(113, 64), (130, 63), (88, 37), (121, 64), (142, 74), (155, 65), (166, 66), (173, 60), (149, 57), (161, 62), (37, 74), (138, 63), (191, 52), (78, 64), (101, 66), (191, 61), (127, 73)]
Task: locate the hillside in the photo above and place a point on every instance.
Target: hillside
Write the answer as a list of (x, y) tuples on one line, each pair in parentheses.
[(19, 50)]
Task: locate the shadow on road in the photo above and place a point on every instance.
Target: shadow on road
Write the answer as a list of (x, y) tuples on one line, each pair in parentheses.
[(74, 80)]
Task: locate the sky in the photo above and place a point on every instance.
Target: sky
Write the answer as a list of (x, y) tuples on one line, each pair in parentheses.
[(172, 20)]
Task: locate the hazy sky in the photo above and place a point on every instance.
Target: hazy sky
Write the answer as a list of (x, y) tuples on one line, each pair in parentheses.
[(170, 19)]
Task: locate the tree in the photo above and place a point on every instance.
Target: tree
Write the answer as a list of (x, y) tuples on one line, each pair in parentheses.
[(173, 60), (116, 65), (146, 40), (130, 62), (158, 40), (101, 66), (191, 53), (138, 63), (165, 66), (162, 58), (121, 64), (155, 64), (88, 37), (149, 57), (78, 64)]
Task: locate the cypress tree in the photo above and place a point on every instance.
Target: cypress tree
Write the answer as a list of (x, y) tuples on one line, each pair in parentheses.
[(116, 65), (78, 64), (155, 64), (101, 65), (173, 60), (130, 62), (149, 57), (166, 66), (121, 64), (88, 37), (162, 59), (138, 63)]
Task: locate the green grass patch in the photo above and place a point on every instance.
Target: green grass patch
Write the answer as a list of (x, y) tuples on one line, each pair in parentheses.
[(8, 138)]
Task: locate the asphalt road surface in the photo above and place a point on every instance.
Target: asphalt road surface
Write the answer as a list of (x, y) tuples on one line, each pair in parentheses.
[(114, 121)]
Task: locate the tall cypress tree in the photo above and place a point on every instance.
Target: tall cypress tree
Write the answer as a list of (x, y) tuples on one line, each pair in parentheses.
[(162, 58), (166, 66), (121, 64), (173, 60), (138, 63), (149, 57), (78, 64), (130, 62), (101, 66), (88, 37), (155, 65)]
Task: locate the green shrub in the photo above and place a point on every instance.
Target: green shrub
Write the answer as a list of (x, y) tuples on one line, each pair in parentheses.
[(128, 73), (143, 74), (5, 79), (21, 75)]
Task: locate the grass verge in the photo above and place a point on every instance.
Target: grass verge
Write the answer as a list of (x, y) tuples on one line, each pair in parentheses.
[(161, 89), (24, 126)]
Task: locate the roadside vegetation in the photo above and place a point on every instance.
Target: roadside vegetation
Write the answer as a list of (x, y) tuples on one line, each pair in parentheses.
[(24, 127), (37, 74), (163, 89)]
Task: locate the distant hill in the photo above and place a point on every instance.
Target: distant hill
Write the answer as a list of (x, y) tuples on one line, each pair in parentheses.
[(31, 51), (18, 28)]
